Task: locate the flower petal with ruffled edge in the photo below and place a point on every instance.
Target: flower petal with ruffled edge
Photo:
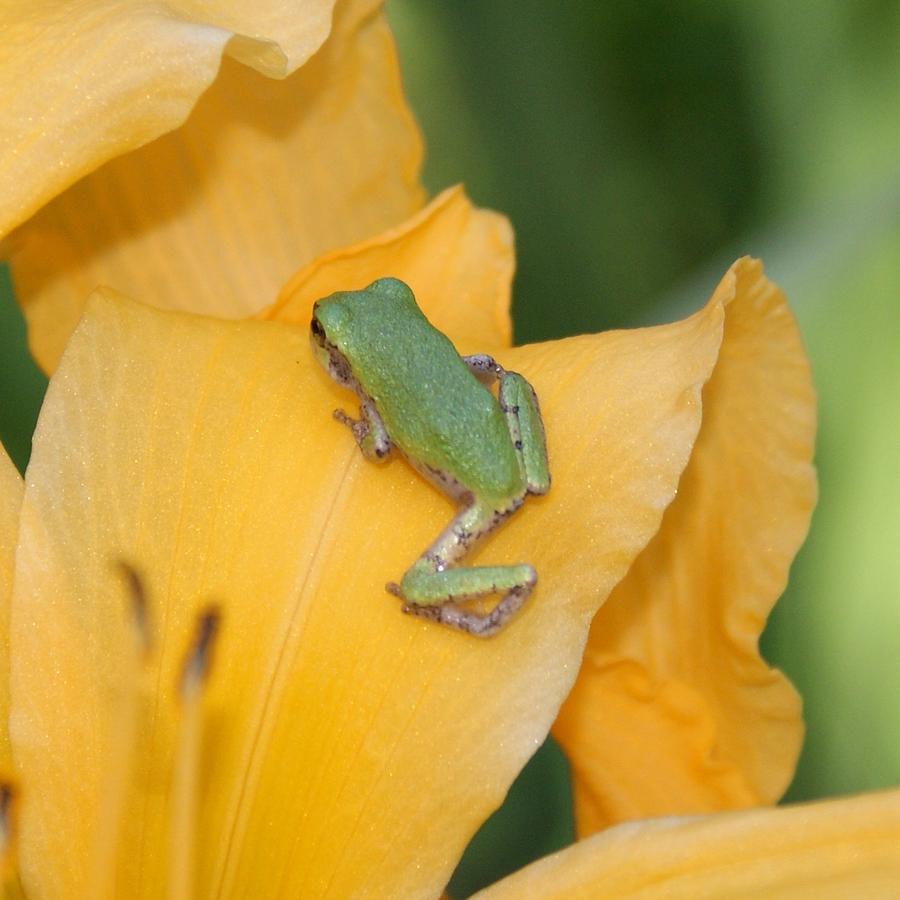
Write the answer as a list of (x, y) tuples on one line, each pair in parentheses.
[(674, 711), (349, 747), (11, 488), (458, 260), (834, 849), (87, 81), (213, 217)]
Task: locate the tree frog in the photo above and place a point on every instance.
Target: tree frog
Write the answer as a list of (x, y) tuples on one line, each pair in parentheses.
[(416, 393)]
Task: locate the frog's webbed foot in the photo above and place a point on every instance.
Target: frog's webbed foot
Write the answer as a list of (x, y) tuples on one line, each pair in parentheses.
[(368, 430), (517, 581), (433, 590)]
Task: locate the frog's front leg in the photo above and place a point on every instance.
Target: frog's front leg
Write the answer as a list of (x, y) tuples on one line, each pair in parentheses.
[(523, 418), (435, 591), (368, 429)]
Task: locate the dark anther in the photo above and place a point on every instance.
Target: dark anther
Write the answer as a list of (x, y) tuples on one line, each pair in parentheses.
[(197, 662), (8, 795), (137, 595)]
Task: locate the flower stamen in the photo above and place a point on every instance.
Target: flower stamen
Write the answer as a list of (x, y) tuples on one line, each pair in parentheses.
[(137, 594), (184, 791), (124, 737), (197, 662)]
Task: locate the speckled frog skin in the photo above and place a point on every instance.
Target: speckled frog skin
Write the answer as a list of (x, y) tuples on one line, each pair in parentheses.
[(416, 393)]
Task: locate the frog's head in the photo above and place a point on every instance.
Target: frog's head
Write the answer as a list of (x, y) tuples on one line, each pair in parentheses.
[(345, 325), (325, 337)]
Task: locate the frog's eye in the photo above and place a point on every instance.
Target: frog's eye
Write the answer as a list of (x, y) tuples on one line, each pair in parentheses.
[(316, 328)]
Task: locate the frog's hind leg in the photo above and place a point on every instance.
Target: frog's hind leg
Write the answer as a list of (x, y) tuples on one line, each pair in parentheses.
[(435, 591), (526, 428), (523, 418), (484, 367)]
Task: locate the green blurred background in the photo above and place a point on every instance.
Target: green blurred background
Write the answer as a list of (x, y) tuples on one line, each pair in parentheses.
[(639, 148)]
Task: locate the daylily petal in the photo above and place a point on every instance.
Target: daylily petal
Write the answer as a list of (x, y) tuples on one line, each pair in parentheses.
[(349, 748), (458, 259), (674, 711), (216, 215), (11, 489), (837, 849), (89, 81)]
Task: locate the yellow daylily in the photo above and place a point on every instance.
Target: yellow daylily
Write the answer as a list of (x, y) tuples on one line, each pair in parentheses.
[(347, 749), (230, 480)]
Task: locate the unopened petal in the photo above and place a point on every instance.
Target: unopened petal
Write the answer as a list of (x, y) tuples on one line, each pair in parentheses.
[(674, 710), (458, 260), (835, 849), (212, 217), (348, 748)]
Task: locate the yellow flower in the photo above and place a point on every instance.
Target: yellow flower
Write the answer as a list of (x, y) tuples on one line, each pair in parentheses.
[(339, 748), (214, 216)]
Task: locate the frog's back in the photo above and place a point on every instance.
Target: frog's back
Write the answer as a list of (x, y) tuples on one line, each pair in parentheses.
[(435, 410)]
